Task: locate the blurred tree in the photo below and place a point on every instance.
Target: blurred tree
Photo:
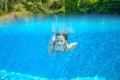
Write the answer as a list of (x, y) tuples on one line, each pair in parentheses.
[(71, 6), (57, 7), (6, 5), (38, 7)]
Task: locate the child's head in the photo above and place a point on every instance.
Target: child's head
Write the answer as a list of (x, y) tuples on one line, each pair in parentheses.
[(60, 39), (62, 34)]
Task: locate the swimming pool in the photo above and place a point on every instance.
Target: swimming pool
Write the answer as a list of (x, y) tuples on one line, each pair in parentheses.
[(24, 55)]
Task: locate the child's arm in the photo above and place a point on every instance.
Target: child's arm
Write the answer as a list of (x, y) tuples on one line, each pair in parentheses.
[(71, 45), (51, 45)]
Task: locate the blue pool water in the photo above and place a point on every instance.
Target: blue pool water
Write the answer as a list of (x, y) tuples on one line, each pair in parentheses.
[(24, 55)]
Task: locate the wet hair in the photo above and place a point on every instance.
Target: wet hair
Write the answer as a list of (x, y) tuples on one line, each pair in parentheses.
[(63, 34)]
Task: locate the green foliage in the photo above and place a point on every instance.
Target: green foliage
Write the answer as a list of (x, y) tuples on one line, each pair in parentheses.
[(58, 7), (110, 7), (70, 6), (93, 6), (19, 7), (86, 6), (45, 1), (59, 11), (1, 7), (48, 7)]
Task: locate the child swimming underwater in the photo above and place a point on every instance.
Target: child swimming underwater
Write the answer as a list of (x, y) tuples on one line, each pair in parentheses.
[(59, 43)]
